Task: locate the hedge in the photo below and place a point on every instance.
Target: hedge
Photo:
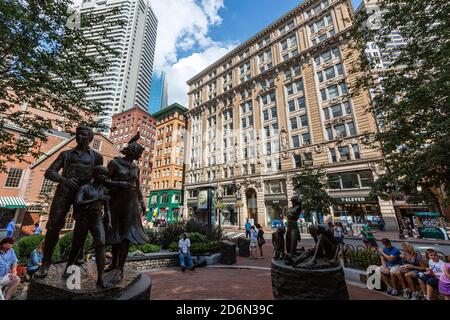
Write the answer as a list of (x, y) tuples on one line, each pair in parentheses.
[(207, 248), (25, 246), (145, 248)]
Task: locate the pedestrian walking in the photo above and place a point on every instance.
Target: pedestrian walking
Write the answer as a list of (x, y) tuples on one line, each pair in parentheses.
[(10, 228), (260, 239), (339, 233), (368, 236), (184, 246), (381, 224)]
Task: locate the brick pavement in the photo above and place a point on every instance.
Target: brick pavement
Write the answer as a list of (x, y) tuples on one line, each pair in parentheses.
[(236, 282)]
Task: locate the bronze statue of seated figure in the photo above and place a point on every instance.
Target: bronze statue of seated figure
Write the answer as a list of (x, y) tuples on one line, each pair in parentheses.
[(323, 254)]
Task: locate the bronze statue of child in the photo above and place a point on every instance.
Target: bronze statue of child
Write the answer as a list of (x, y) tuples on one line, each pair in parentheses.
[(93, 215)]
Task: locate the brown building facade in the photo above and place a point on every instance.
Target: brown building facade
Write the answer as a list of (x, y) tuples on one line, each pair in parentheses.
[(276, 103), (127, 124), (167, 177)]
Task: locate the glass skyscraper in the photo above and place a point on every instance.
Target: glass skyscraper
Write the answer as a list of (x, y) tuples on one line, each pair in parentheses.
[(158, 92)]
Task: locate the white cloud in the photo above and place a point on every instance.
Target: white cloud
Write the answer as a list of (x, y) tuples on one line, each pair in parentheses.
[(186, 68), (183, 25)]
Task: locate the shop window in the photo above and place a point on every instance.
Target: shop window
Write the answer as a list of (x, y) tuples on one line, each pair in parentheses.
[(176, 198), (366, 179), (228, 190), (154, 199), (274, 187), (164, 198), (334, 181), (349, 180)]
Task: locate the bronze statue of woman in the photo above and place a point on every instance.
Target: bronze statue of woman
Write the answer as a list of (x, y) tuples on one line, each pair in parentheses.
[(127, 206)]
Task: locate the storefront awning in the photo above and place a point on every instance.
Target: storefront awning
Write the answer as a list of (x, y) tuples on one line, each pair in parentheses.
[(12, 202)]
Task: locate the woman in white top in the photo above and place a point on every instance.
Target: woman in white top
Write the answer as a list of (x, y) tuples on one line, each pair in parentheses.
[(429, 281), (253, 242)]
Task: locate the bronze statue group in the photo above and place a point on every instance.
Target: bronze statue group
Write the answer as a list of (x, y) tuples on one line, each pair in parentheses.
[(285, 240), (107, 202)]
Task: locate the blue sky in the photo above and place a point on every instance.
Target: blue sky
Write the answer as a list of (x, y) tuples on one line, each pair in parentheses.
[(192, 34), (238, 24)]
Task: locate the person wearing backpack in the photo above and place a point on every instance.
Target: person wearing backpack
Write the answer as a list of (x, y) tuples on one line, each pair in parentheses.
[(260, 239)]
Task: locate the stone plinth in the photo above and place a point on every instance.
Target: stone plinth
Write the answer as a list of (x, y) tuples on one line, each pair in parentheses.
[(228, 253), (134, 286), (289, 283)]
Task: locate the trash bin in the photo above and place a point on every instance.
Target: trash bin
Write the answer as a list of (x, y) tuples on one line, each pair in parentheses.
[(244, 247), (228, 254)]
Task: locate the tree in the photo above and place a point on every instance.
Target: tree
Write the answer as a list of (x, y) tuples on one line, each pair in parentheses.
[(311, 184), (42, 52), (411, 98)]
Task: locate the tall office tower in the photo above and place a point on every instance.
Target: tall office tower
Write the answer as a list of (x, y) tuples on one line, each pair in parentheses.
[(126, 83), (381, 58), (158, 92), (167, 177), (273, 105), (127, 124)]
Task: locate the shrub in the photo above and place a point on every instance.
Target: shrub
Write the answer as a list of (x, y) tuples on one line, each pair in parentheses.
[(214, 233), (153, 236), (65, 243), (26, 245), (196, 237), (170, 234), (205, 248), (145, 248)]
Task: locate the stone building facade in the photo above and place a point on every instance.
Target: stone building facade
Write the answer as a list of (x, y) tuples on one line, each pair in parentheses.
[(280, 101)]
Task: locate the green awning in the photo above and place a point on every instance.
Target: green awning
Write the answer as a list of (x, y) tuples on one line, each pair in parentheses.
[(427, 214), (12, 202)]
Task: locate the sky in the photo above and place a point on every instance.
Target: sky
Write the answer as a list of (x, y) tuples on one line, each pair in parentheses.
[(192, 34)]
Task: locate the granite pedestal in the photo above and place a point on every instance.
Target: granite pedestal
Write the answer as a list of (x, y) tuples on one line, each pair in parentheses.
[(290, 283), (134, 286)]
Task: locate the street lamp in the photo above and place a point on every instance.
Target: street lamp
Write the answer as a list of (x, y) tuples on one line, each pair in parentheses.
[(219, 206), (239, 205)]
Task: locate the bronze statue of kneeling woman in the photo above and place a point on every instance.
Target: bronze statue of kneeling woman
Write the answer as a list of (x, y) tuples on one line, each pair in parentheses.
[(127, 207)]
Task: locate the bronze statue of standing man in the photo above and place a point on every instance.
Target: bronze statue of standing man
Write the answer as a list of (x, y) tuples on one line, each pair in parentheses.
[(77, 165), (293, 232)]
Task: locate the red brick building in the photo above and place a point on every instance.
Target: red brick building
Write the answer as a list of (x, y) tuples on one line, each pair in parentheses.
[(124, 126)]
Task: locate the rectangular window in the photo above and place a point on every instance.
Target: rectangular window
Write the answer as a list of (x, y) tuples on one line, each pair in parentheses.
[(299, 86), (334, 182), (304, 120), (349, 180), (326, 114), (250, 121), (289, 89), (329, 133), (347, 107), (266, 114), (340, 131), (294, 123), (297, 161), (295, 142), (301, 103), (366, 179), (329, 73), (291, 105), (333, 155), (351, 128), (274, 112), (356, 152), (306, 138), (333, 92), (323, 95), (297, 70), (339, 69), (344, 152), (13, 178), (336, 110), (320, 76)]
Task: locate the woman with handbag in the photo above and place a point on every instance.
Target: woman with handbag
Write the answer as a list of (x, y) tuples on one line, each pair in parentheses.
[(260, 239)]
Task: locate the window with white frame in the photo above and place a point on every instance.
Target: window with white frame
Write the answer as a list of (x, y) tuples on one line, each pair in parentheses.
[(337, 110), (316, 8), (330, 73), (341, 130), (327, 56), (287, 27), (265, 60), (344, 153), (14, 177), (334, 91)]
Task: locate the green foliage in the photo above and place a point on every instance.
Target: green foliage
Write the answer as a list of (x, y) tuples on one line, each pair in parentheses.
[(145, 248), (215, 233), (65, 243), (197, 237), (153, 236), (205, 248), (311, 184), (170, 233), (411, 99), (361, 259), (40, 56), (26, 245)]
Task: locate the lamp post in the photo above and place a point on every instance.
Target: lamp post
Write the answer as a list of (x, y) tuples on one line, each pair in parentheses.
[(239, 205), (218, 208)]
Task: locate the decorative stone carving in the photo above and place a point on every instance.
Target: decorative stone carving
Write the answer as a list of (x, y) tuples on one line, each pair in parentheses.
[(318, 148)]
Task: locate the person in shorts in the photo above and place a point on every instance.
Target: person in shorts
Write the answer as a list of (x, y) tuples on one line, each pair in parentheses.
[(253, 242), (412, 263), (429, 280), (368, 236), (8, 268), (390, 265)]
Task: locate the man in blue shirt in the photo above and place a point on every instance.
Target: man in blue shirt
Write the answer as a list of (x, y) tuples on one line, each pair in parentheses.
[(390, 261), (37, 229), (8, 268), (10, 228), (247, 229)]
